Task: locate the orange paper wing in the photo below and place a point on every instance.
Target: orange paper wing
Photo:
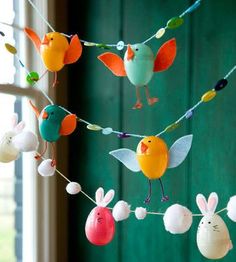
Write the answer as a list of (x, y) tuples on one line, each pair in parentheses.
[(74, 52), (33, 37), (165, 56), (114, 63), (68, 125)]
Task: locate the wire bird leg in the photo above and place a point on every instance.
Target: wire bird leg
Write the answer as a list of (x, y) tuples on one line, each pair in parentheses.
[(148, 198), (151, 100), (39, 156), (138, 104), (164, 198)]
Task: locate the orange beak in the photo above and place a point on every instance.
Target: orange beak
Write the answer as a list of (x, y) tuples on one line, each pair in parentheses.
[(144, 148), (44, 115), (130, 53), (45, 40)]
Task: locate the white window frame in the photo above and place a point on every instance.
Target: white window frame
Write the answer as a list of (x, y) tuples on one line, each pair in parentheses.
[(39, 194)]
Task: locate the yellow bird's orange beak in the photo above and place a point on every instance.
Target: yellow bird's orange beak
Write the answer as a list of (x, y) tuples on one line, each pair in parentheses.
[(44, 115), (130, 53), (45, 40), (144, 148)]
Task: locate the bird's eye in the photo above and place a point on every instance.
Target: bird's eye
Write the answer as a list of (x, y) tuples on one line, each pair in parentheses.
[(136, 49), (51, 38), (52, 113), (149, 141)]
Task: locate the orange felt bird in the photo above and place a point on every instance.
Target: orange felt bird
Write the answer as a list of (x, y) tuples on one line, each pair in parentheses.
[(139, 64), (55, 50)]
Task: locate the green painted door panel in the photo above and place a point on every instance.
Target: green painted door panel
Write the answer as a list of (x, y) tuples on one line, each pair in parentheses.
[(206, 51)]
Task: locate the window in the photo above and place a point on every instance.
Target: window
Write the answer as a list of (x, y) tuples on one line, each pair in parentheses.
[(26, 200)]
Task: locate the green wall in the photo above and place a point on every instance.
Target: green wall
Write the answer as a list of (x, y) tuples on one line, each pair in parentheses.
[(206, 43)]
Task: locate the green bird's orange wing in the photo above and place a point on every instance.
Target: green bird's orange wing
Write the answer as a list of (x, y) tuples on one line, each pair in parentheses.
[(114, 63), (33, 37), (165, 56), (68, 125), (74, 52)]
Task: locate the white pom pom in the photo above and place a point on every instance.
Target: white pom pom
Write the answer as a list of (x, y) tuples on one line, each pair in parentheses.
[(140, 213), (231, 207), (121, 210), (25, 141), (46, 168), (177, 219), (73, 188)]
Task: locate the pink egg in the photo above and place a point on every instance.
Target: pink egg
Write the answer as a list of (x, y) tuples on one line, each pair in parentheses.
[(100, 226)]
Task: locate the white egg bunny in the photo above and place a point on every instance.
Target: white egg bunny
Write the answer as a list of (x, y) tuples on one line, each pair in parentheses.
[(213, 239), (15, 141)]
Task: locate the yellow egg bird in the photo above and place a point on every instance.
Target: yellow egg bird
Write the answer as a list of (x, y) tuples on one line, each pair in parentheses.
[(152, 157), (55, 50)]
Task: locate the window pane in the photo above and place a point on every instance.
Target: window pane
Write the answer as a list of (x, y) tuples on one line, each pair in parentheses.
[(7, 68), (7, 183)]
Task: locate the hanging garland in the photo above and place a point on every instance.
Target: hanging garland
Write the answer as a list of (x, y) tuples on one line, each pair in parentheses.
[(100, 224)]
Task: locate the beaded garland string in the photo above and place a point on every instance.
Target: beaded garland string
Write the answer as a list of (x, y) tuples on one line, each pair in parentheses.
[(33, 79), (173, 23)]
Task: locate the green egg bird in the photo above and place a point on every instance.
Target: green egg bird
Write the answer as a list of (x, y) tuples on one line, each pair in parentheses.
[(139, 64), (54, 122)]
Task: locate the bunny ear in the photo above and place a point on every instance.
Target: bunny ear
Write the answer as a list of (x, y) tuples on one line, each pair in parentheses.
[(108, 197), (99, 196), (14, 120), (202, 204), (19, 127), (212, 202)]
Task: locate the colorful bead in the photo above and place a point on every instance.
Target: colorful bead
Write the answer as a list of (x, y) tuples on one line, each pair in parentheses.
[(107, 131), (11, 49), (94, 127), (103, 46), (123, 135), (175, 22), (189, 114), (160, 33), (221, 84), (208, 96), (172, 127), (32, 77), (89, 44), (120, 45)]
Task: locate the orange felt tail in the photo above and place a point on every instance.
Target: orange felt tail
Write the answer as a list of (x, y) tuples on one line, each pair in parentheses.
[(33, 37), (68, 125), (74, 52), (114, 63), (165, 56)]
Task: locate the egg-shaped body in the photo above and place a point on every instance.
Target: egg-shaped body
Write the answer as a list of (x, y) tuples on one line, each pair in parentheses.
[(53, 52), (152, 155), (8, 152), (139, 69), (213, 239), (49, 127), (100, 226)]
